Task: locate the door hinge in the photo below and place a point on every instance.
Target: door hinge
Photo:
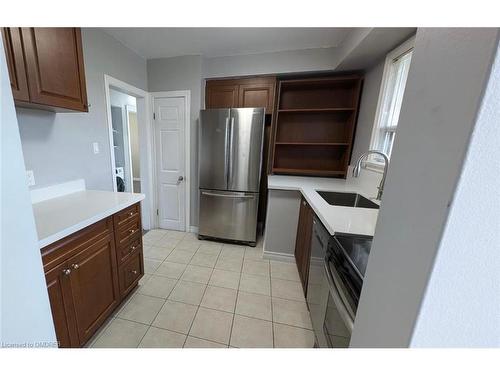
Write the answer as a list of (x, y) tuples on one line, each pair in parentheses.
[(157, 212), (154, 116)]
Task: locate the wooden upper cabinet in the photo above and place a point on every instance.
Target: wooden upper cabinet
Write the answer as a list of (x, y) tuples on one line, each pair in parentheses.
[(46, 67), (54, 61), (14, 54), (241, 93), (257, 95), (221, 95)]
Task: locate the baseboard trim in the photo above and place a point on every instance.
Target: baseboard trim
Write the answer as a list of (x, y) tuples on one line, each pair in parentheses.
[(282, 257)]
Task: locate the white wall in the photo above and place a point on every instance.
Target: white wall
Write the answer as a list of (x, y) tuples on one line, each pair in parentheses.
[(445, 85), (58, 147), (25, 316), (462, 301), (182, 73), (367, 110)]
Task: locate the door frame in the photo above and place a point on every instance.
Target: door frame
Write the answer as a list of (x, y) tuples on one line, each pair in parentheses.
[(186, 94), (130, 108), (144, 119)]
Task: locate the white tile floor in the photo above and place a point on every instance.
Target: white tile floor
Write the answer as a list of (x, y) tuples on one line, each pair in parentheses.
[(204, 294)]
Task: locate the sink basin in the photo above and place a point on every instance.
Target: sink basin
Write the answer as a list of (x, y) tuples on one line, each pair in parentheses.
[(347, 199)]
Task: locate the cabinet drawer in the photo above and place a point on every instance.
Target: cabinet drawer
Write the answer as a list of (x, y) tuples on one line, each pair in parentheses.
[(131, 272), (124, 217), (128, 233), (131, 248), (60, 251)]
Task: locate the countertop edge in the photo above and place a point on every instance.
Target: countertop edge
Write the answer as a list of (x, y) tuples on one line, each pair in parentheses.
[(85, 223)]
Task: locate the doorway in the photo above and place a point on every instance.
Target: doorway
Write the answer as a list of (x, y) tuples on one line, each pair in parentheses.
[(171, 128), (130, 141), (124, 128)]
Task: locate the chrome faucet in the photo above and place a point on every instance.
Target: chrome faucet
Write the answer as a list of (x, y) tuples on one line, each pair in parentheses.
[(357, 169)]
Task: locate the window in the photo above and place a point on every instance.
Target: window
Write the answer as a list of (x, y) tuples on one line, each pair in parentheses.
[(397, 65)]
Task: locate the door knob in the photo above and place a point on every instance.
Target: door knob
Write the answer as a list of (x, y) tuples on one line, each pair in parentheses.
[(75, 266), (66, 271), (180, 179)]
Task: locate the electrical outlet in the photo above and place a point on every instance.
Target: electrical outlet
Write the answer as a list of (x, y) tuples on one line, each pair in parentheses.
[(95, 146), (30, 176)]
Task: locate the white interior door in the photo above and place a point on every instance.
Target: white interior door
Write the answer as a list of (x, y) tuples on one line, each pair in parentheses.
[(169, 128)]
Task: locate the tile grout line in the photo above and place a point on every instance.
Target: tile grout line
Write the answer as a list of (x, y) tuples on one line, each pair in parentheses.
[(272, 308), (198, 307), (164, 302), (236, 302), (213, 268)]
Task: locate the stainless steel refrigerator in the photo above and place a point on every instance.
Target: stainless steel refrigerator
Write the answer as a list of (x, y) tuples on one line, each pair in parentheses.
[(230, 158)]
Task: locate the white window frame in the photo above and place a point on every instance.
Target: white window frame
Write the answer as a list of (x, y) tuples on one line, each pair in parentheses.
[(371, 162)]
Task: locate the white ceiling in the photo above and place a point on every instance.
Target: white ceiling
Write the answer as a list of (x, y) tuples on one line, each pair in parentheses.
[(214, 42)]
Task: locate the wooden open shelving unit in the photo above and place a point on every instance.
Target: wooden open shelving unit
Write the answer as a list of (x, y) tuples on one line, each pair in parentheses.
[(314, 127)]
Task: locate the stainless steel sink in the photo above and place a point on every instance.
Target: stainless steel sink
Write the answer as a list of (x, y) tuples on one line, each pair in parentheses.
[(346, 199)]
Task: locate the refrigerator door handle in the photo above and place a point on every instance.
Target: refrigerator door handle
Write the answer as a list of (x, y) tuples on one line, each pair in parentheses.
[(231, 154), (227, 195), (226, 152)]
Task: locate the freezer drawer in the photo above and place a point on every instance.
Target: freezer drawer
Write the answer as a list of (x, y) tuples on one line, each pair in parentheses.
[(228, 215)]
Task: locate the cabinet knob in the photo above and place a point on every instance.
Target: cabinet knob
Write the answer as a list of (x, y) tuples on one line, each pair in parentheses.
[(131, 231), (134, 272), (75, 266), (66, 271), (134, 247), (131, 214)]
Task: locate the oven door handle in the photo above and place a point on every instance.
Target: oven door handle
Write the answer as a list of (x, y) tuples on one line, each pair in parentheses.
[(338, 298)]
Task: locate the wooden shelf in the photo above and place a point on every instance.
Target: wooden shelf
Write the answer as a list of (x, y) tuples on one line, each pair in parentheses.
[(314, 131), (319, 110), (313, 143), (308, 172)]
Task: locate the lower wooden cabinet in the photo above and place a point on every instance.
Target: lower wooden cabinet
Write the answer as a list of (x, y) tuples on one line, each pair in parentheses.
[(85, 282), (94, 287), (62, 312), (131, 272), (303, 242)]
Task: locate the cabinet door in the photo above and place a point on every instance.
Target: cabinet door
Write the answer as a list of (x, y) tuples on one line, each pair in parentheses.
[(221, 95), (303, 242), (54, 61), (14, 54), (94, 286), (59, 289), (259, 94)]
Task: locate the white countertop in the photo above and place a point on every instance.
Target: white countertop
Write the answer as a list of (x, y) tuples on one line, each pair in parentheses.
[(59, 217), (336, 219)]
